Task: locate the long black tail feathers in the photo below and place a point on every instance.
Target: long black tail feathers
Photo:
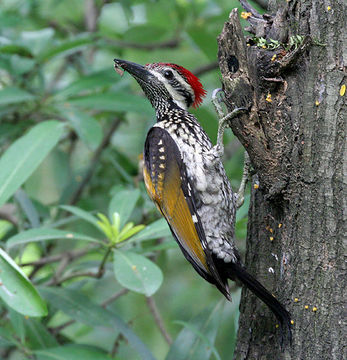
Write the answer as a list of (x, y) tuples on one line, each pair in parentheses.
[(282, 315)]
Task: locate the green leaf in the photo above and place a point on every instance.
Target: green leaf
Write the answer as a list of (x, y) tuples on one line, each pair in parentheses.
[(22, 158), (28, 208), (44, 234), (37, 40), (156, 229), (123, 203), (124, 235), (65, 48), (200, 335), (145, 34), (16, 289), (205, 40), (72, 352), (38, 335), (196, 340), (166, 245), (87, 83), (5, 227), (110, 231), (118, 102), (80, 308), (136, 272), (18, 323), (113, 18), (87, 128), (16, 49), (80, 213), (6, 338), (76, 305), (116, 222), (21, 65), (14, 95)]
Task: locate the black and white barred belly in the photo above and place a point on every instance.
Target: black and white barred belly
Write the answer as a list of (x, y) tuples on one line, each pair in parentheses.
[(215, 200)]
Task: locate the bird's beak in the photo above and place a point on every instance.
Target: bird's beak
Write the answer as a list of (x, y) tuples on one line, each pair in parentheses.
[(136, 70)]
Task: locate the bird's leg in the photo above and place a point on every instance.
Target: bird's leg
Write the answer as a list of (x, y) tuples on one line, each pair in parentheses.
[(240, 195), (218, 149), (223, 121)]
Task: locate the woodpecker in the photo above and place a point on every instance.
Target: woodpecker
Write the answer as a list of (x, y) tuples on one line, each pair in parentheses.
[(186, 180)]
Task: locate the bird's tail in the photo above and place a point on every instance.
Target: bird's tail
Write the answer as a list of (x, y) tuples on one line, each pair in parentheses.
[(282, 315)]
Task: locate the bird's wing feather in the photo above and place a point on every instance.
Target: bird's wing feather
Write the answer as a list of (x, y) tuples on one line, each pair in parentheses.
[(169, 187)]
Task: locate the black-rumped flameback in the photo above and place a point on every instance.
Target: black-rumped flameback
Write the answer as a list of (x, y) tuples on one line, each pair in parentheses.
[(186, 180)]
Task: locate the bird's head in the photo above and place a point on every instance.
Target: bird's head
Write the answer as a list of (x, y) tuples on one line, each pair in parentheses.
[(164, 82)]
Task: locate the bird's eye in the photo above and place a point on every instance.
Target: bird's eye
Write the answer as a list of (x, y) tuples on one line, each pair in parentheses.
[(168, 74)]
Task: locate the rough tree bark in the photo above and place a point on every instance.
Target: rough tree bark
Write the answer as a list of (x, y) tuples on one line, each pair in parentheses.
[(294, 134)]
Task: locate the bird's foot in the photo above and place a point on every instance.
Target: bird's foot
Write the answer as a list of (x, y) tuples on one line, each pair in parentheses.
[(223, 121), (240, 195)]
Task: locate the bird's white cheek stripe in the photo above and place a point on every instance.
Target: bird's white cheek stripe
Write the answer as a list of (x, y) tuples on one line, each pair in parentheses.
[(176, 96), (186, 85)]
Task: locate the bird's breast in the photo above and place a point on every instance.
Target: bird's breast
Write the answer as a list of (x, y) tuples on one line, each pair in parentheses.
[(214, 198)]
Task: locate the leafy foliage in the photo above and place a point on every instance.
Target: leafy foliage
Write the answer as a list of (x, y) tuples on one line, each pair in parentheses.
[(88, 269)]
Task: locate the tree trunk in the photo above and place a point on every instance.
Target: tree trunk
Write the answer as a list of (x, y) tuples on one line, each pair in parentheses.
[(294, 134)]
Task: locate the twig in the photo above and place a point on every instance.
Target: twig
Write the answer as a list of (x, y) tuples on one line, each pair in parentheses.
[(149, 46), (91, 15), (7, 212), (205, 68), (114, 297), (57, 329), (116, 344), (54, 258), (61, 71), (158, 319), (101, 270), (64, 262), (72, 276), (95, 160), (38, 264)]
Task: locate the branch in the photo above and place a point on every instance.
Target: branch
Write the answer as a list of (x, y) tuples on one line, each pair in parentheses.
[(91, 15), (7, 212), (74, 275), (65, 261), (116, 344), (54, 258), (114, 297), (158, 319), (168, 44), (94, 162), (56, 330), (205, 68)]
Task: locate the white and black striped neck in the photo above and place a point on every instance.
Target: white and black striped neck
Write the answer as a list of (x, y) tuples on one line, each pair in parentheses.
[(169, 110)]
